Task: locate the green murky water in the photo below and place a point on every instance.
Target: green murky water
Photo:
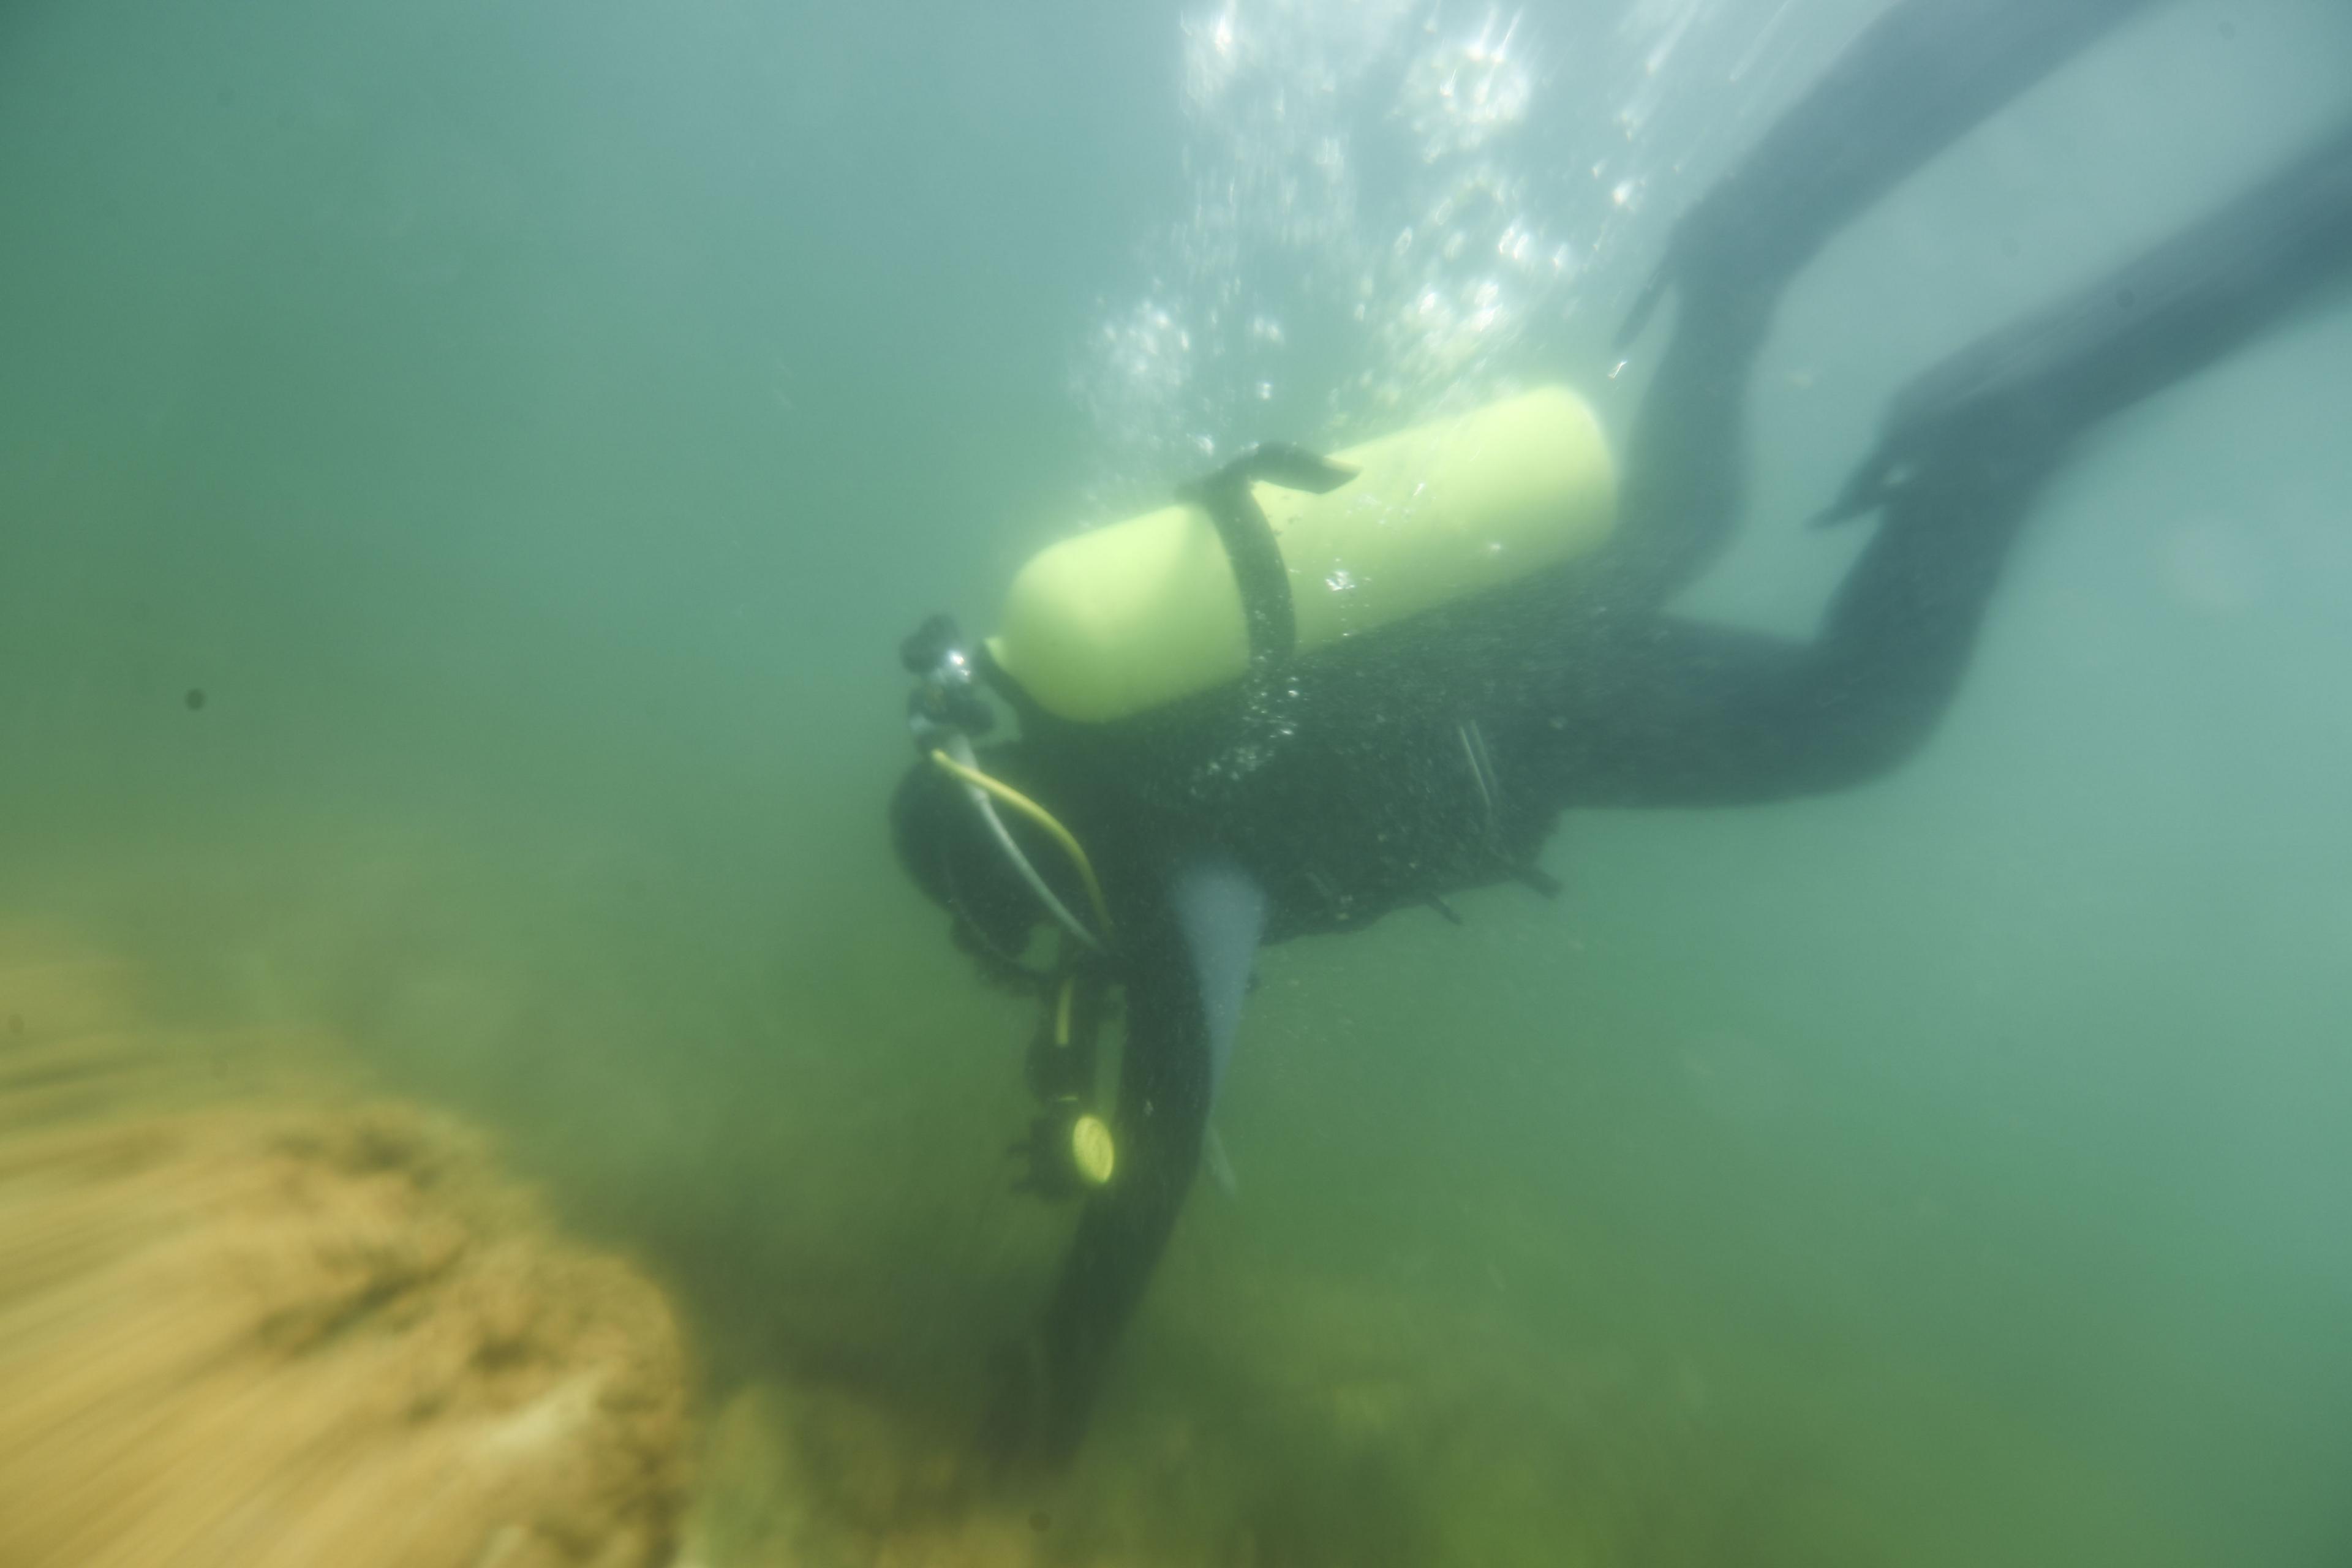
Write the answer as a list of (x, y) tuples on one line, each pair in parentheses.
[(464, 469)]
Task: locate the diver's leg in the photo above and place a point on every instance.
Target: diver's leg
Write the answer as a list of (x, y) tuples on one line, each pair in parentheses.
[(1670, 713), (1677, 713), (1914, 80)]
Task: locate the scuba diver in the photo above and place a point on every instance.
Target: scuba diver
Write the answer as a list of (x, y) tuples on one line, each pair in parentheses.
[(1226, 739)]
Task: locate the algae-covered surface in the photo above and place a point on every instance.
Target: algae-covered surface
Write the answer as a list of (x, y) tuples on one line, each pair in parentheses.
[(251, 1313), (473, 1069), (1596, 1313)]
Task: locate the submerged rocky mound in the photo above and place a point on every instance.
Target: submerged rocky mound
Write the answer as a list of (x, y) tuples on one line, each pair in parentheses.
[(243, 1324)]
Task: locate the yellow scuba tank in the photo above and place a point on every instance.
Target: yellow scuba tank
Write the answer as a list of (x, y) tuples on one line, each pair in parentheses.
[(1126, 617)]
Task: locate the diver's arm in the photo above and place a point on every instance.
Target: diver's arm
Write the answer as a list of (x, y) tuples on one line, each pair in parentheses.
[(1185, 964), (1163, 1110)]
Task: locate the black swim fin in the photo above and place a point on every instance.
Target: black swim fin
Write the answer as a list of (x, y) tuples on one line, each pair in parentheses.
[(2163, 315), (1916, 80)]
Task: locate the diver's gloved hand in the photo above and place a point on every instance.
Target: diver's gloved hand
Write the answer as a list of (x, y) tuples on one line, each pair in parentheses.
[(1034, 1416)]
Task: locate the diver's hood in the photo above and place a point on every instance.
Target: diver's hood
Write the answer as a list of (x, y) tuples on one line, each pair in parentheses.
[(947, 848)]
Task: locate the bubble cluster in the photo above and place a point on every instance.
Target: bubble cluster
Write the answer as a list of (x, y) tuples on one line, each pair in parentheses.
[(1393, 208)]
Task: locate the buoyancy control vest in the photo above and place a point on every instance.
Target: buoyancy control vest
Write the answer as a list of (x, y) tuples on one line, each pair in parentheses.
[(1151, 662)]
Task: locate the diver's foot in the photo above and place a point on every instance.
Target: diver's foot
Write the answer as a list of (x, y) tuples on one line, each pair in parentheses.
[(1983, 458)]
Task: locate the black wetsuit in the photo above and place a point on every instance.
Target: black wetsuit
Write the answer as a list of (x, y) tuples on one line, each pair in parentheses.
[(1437, 755)]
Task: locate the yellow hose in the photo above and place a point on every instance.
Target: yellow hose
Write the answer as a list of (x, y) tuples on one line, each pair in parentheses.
[(1043, 818)]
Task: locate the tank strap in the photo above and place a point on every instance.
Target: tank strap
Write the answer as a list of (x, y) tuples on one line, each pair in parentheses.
[(1249, 542)]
